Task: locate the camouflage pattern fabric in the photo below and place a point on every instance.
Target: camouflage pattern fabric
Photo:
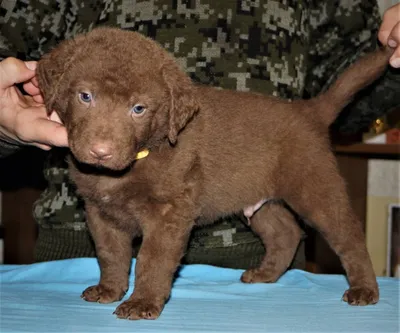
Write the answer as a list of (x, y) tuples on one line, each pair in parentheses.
[(7, 148), (287, 48), (340, 36)]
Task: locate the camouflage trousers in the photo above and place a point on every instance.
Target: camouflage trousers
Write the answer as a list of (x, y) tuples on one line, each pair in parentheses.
[(229, 243)]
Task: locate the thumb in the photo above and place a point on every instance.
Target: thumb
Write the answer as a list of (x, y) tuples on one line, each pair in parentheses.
[(51, 133), (14, 71)]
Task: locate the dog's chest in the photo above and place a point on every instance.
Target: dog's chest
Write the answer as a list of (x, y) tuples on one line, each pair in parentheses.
[(113, 195), (114, 191), (126, 196)]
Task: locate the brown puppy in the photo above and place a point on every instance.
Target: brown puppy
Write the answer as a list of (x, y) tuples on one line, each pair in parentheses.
[(212, 152)]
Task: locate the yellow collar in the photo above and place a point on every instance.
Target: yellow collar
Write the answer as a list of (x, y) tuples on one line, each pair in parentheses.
[(142, 154)]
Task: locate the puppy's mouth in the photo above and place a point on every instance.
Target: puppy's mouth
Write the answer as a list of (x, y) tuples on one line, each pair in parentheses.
[(105, 164), (102, 162), (104, 155), (98, 169), (110, 168)]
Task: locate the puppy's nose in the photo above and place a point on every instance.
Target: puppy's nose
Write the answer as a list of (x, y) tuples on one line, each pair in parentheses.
[(101, 151)]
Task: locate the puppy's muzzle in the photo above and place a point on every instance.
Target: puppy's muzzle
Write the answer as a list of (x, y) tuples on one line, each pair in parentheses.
[(101, 151)]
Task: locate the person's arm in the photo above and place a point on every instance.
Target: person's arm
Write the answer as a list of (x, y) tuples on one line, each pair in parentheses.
[(7, 148)]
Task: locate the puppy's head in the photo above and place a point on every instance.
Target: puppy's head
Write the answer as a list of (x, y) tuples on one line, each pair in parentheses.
[(117, 92)]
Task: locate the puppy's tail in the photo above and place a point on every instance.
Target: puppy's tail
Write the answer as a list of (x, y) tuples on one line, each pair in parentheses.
[(358, 76)]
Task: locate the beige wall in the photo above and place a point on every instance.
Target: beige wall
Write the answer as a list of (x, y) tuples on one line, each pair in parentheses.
[(383, 190)]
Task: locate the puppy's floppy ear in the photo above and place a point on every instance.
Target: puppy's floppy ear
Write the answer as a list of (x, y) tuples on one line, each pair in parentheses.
[(50, 72), (183, 100)]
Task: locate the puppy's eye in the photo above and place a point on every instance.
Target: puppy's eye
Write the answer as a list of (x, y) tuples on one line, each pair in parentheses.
[(85, 97), (138, 109)]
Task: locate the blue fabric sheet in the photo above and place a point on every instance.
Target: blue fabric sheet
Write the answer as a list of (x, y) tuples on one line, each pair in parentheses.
[(45, 297)]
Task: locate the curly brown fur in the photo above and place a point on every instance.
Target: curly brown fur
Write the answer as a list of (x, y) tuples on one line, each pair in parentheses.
[(213, 152)]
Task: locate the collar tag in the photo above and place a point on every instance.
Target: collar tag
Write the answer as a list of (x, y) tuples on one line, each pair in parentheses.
[(142, 154)]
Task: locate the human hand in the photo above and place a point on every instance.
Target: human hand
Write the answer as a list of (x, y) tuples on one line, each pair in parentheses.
[(389, 33), (23, 119)]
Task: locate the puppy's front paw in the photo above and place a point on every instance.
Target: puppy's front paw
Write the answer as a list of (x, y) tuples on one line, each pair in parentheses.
[(256, 275), (103, 294), (361, 296), (139, 309)]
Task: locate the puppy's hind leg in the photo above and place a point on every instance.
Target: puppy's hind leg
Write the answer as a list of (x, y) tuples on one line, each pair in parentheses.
[(326, 207), (280, 234)]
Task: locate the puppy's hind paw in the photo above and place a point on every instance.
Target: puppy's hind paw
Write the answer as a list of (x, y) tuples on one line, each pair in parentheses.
[(361, 296), (257, 275)]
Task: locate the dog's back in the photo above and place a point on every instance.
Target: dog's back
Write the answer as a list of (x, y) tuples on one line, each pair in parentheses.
[(251, 136)]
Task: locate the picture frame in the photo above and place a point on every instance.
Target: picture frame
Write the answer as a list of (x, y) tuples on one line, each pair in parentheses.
[(393, 243)]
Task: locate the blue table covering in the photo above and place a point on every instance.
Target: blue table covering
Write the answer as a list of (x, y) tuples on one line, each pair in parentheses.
[(45, 297)]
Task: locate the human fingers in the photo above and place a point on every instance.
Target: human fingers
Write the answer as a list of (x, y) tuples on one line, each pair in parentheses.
[(35, 82), (38, 99), (31, 89), (54, 117), (33, 127), (394, 41), (390, 18), (14, 71), (50, 133)]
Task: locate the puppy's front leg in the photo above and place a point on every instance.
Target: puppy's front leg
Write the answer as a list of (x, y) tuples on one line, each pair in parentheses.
[(114, 252), (162, 248)]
